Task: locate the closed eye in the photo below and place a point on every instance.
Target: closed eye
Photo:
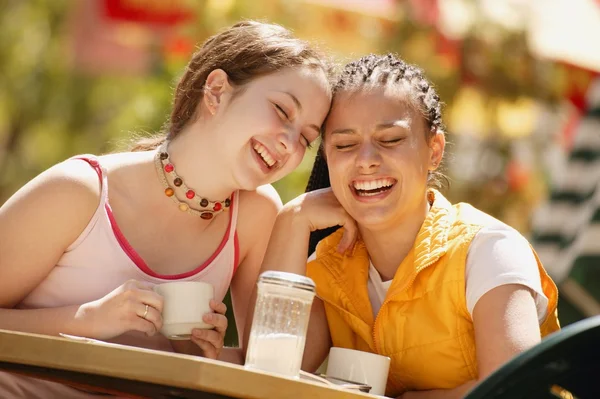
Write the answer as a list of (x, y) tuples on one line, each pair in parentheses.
[(343, 146), (393, 141), (281, 111), (307, 142)]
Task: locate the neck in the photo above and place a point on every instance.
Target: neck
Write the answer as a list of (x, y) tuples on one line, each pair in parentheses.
[(388, 246), (196, 163)]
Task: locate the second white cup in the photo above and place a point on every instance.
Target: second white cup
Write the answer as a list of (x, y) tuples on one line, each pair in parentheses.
[(357, 366), (185, 302)]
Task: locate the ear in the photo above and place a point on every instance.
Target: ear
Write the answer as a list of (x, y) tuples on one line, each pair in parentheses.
[(436, 149), (215, 88)]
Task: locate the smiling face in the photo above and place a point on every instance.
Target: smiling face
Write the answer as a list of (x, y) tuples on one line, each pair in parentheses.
[(378, 155), (267, 126)]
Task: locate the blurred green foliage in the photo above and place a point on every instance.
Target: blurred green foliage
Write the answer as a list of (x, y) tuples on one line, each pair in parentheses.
[(50, 111)]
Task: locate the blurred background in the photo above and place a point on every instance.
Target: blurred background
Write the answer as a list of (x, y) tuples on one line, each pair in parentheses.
[(520, 80)]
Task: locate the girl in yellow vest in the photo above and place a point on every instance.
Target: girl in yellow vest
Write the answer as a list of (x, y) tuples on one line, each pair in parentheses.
[(446, 291)]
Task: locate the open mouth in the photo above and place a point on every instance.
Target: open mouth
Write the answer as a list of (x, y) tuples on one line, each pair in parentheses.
[(264, 155), (373, 187)]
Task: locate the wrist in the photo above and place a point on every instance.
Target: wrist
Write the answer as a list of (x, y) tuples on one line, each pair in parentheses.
[(80, 324), (293, 217)]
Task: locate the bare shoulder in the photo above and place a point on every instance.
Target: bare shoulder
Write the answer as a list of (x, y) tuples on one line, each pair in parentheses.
[(264, 200), (257, 213), (70, 189), (40, 221), (73, 179)]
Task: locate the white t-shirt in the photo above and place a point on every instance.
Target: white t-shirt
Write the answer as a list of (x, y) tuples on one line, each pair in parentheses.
[(498, 255)]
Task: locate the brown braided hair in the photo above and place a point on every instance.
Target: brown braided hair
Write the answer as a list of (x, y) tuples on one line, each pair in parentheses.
[(379, 70)]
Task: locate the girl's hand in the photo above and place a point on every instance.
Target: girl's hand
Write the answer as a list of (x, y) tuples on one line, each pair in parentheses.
[(211, 341), (320, 209), (132, 306)]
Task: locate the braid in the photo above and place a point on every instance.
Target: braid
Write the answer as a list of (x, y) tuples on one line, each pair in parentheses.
[(380, 70), (319, 178), (377, 70)]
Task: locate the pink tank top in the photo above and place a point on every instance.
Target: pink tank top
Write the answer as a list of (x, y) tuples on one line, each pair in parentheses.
[(101, 259)]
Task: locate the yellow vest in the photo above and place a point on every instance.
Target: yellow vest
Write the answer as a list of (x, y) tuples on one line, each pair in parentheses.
[(423, 325)]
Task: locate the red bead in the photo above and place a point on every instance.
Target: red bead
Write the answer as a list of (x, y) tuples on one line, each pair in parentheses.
[(217, 206), (169, 167), (190, 194)]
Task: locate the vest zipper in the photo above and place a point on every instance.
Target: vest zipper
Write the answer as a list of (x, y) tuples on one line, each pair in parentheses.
[(410, 283)]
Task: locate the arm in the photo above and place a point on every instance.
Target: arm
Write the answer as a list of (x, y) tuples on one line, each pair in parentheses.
[(259, 211), (37, 224), (318, 338), (287, 249), (506, 324)]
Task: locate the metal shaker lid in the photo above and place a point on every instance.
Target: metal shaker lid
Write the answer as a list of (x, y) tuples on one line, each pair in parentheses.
[(287, 279)]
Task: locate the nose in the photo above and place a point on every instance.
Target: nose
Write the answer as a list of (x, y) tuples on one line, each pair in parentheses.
[(287, 142), (368, 157)]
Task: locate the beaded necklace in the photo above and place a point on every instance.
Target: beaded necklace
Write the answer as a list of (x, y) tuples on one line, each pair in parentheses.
[(164, 166)]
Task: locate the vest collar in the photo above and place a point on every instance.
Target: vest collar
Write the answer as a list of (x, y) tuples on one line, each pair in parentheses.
[(352, 270), (431, 242)]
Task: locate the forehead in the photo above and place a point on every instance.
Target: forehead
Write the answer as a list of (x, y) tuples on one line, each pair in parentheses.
[(365, 107), (301, 78)]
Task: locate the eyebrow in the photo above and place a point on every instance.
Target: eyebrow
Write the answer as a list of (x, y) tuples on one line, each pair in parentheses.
[(397, 123), (299, 106), (344, 131), (381, 126)]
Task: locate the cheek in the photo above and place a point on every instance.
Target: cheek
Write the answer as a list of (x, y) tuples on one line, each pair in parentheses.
[(271, 123), (294, 160), (250, 117), (337, 175)]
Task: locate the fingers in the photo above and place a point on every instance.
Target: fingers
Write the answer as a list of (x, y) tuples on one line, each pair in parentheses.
[(147, 297), (208, 349), (152, 315), (143, 325), (218, 320), (214, 337), (350, 235), (143, 285), (218, 307), (144, 306), (211, 341)]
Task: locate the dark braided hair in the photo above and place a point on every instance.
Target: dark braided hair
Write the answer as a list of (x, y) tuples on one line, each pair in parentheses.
[(379, 70)]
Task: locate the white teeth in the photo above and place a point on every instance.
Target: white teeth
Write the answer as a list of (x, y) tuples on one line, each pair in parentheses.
[(264, 154), (368, 194), (373, 184)]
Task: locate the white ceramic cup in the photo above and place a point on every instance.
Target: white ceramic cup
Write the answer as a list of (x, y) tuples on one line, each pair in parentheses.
[(185, 302), (357, 366)]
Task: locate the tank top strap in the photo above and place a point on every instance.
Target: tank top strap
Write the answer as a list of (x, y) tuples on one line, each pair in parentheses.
[(234, 214), (93, 161), (233, 237)]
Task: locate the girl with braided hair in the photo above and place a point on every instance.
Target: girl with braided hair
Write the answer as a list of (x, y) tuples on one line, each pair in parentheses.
[(446, 291)]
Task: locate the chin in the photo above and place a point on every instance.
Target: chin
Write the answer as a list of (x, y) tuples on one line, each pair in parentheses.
[(371, 218), (247, 183), (374, 223)]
